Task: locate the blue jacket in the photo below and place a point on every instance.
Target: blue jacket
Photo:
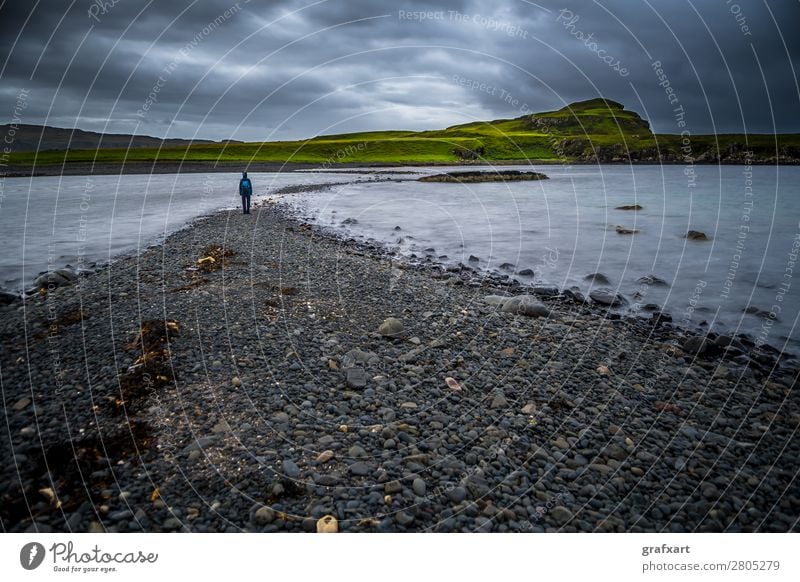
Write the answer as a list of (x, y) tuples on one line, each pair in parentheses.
[(245, 187)]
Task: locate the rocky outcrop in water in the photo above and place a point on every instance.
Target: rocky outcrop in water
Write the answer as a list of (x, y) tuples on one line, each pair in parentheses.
[(473, 177)]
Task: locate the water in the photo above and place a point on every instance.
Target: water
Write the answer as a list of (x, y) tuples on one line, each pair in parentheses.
[(47, 222), (563, 229)]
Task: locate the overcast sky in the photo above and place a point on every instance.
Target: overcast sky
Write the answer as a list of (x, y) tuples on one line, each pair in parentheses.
[(263, 70)]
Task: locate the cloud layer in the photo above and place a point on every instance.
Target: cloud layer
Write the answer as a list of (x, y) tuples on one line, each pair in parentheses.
[(284, 70)]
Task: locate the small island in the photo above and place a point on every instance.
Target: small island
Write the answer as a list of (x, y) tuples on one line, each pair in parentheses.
[(471, 177)]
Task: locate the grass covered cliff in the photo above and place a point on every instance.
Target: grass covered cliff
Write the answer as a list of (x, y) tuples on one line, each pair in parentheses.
[(597, 130)]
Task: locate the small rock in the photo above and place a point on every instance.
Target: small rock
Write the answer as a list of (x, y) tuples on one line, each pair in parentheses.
[(499, 401), (457, 494), (392, 487), (529, 408), (561, 443), (327, 524), (403, 518), (264, 515), (356, 377), (200, 443), (721, 372), (325, 456), (391, 327), (418, 486), (452, 384), (290, 469), (357, 452), (236, 381), (560, 514), (21, 404), (172, 523), (696, 235), (359, 469)]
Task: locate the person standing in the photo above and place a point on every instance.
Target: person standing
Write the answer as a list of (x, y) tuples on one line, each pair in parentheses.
[(245, 191)]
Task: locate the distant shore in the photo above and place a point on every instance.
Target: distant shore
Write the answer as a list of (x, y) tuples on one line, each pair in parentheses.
[(85, 169), (252, 373)]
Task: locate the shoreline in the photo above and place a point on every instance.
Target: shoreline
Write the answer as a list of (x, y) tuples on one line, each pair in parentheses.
[(277, 401), (193, 167)]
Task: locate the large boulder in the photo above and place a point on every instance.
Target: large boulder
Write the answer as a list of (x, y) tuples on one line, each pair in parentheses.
[(598, 278), (495, 300), (575, 294), (696, 345), (57, 278), (607, 297), (525, 305), (726, 341), (545, 290), (520, 305), (653, 281), (7, 298)]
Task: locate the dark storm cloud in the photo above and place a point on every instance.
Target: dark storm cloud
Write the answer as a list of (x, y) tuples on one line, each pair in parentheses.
[(279, 70)]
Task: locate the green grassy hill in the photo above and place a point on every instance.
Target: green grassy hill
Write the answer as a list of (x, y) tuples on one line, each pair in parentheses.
[(586, 131)]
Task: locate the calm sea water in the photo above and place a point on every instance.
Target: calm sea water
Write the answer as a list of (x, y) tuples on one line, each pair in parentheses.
[(744, 279), (47, 222)]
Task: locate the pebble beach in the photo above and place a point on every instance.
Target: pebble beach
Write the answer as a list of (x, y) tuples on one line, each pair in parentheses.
[(252, 373)]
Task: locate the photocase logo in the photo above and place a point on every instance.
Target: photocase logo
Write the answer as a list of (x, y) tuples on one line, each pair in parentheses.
[(31, 555)]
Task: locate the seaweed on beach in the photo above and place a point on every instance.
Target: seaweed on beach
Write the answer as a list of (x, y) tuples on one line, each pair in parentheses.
[(152, 369), (214, 258), (68, 474)]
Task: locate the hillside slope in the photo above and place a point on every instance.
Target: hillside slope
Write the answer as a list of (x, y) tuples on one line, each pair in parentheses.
[(29, 138), (596, 130)]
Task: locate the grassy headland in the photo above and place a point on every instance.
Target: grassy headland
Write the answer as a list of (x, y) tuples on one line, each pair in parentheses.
[(597, 130)]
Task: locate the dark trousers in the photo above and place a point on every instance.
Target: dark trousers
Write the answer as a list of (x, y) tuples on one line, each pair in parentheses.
[(246, 204)]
